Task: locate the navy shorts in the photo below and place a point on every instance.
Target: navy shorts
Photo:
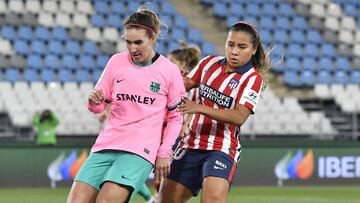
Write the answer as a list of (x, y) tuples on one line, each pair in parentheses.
[(189, 167)]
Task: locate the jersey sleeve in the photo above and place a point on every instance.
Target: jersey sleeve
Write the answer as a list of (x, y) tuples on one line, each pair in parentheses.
[(174, 118), (104, 83), (195, 73), (251, 93)]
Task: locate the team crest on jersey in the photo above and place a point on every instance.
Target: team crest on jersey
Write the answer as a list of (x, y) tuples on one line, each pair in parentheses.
[(233, 83), (155, 87)]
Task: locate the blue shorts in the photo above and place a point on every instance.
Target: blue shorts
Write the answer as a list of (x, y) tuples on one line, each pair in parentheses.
[(189, 167)]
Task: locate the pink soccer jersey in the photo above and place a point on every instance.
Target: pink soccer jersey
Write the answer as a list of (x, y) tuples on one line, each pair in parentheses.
[(140, 95), (221, 90)]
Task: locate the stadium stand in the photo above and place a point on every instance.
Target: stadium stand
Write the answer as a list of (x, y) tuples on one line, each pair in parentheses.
[(56, 50)]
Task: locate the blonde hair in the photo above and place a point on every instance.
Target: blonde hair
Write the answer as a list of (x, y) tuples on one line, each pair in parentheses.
[(189, 55)]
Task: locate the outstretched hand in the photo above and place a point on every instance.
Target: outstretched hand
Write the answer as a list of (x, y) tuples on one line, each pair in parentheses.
[(189, 106), (96, 97)]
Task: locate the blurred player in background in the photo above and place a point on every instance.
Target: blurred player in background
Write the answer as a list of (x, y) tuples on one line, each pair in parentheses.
[(45, 124), (229, 91), (186, 58), (141, 85)]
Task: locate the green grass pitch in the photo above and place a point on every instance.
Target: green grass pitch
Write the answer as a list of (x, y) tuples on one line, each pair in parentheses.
[(237, 195)]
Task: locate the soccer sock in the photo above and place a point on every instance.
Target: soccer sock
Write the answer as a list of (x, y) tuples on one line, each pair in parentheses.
[(145, 192)]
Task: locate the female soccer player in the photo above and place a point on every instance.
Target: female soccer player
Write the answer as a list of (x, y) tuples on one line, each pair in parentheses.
[(141, 86), (229, 91)]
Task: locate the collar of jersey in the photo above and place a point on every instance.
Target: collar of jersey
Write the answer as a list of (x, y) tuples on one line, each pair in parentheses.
[(242, 69)]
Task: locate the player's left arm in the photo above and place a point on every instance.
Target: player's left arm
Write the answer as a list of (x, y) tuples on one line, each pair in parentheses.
[(174, 123), (236, 116), (246, 103)]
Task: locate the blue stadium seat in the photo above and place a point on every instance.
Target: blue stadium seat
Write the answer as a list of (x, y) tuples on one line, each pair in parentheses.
[(181, 21), (342, 63), (311, 50), (351, 10), (8, 32), (73, 47), (82, 75), (266, 37), (310, 63), (38, 47), (269, 9), (59, 33), (297, 36), (236, 9), (174, 45), (56, 47), (267, 24), (293, 63), (161, 48), (118, 8), (167, 7), (69, 61), (47, 75), (326, 63), (133, 6), (87, 62), (167, 19), (252, 20), (291, 78), (231, 20), (278, 51), (324, 77), (30, 75), (101, 61), (355, 77), (52, 61), (328, 50), (208, 48), (253, 9), (299, 23), (220, 9), (42, 33), (194, 36), (313, 36), (98, 21), (25, 33), (90, 47), (285, 9), (35, 61), (295, 50), (12, 75), (114, 21), (308, 78), (178, 33), (101, 7), (21, 47), (341, 77), (281, 37), (282, 23), (96, 75), (65, 75)]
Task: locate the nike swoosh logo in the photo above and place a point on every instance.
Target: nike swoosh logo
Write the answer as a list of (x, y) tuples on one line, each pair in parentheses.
[(118, 81), (125, 177), (217, 167)]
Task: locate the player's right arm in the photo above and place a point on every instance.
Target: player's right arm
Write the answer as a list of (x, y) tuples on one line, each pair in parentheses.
[(101, 96)]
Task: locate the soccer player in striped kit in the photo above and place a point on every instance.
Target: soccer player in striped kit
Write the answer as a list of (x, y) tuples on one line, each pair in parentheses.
[(229, 91)]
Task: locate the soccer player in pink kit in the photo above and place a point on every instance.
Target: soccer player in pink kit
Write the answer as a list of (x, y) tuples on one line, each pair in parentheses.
[(229, 91), (141, 86)]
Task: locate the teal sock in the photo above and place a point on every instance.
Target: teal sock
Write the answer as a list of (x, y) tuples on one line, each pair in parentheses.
[(145, 192)]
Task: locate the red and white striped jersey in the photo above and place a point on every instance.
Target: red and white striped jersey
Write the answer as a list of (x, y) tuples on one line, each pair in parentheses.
[(221, 90)]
